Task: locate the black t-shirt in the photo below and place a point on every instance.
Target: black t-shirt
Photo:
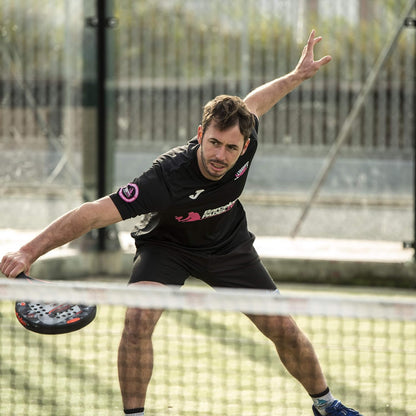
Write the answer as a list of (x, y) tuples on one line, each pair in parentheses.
[(180, 208)]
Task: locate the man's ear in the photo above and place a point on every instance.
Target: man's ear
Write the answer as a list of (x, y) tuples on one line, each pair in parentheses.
[(245, 147), (199, 134)]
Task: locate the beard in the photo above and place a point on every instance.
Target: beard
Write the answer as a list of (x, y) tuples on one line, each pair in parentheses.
[(210, 165)]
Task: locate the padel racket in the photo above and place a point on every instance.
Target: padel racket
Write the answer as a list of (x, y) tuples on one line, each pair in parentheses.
[(52, 318)]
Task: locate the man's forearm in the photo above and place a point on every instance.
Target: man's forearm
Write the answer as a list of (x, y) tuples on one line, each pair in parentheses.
[(70, 226), (63, 230), (263, 98)]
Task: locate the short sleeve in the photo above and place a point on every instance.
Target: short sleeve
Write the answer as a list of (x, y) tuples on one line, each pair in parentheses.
[(146, 193)]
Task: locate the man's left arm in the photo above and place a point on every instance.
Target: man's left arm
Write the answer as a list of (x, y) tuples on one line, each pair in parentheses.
[(263, 98)]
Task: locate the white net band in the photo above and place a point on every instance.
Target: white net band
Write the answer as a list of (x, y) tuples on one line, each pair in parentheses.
[(242, 300)]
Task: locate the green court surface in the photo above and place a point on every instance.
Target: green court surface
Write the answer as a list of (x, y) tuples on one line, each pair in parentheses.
[(207, 363)]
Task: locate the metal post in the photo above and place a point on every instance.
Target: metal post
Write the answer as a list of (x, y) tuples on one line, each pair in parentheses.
[(98, 151), (101, 8), (107, 237), (411, 22)]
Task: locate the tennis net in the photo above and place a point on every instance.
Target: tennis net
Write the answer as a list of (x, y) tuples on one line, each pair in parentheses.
[(209, 358)]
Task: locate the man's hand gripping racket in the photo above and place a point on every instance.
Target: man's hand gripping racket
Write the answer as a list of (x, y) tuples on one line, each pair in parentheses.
[(52, 318)]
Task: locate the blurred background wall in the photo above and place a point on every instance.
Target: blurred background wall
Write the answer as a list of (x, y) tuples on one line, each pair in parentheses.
[(164, 60)]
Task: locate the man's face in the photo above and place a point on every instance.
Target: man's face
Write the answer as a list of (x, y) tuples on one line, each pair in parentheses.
[(219, 150)]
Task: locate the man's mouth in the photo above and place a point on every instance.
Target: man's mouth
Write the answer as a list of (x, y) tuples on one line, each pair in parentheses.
[(218, 166)]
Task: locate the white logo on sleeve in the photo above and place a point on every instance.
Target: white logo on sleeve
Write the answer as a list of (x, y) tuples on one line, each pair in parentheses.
[(196, 194)]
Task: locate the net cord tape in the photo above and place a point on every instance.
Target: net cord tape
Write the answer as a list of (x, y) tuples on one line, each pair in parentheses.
[(242, 300)]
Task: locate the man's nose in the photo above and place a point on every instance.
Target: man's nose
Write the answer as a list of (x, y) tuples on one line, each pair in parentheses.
[(220, 153)]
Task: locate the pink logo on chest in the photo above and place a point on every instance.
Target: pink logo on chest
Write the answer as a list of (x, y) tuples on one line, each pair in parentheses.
[(242, 171)]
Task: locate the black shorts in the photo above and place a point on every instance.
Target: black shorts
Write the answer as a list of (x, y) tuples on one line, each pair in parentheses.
[(241, 268)]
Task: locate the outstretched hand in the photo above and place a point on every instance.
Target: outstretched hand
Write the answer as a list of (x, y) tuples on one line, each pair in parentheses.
[(307, 67), (264, 97)]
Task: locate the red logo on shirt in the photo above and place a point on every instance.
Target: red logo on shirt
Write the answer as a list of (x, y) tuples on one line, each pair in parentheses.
[(192, 216)]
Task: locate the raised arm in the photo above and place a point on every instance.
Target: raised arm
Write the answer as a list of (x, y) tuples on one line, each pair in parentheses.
[(263, 98), (70, 226)]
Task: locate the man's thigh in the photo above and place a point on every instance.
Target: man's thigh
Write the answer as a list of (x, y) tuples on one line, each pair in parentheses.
[(158, 264)]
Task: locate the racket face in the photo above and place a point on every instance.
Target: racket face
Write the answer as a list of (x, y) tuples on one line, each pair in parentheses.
[(52, 318)]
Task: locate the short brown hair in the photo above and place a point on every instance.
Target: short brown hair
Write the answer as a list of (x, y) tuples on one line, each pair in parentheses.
[(226, 111)]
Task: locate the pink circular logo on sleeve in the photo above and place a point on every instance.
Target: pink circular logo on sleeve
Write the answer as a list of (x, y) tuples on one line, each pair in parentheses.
[(129, 193)]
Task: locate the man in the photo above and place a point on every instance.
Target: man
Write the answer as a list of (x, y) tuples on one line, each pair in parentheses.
[(193, 224)]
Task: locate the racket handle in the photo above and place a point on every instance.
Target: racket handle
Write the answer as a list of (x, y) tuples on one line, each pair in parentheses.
[(23, 275), (31, 279)]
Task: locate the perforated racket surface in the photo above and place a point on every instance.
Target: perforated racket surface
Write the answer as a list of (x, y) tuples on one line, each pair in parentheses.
[(52, 318)]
